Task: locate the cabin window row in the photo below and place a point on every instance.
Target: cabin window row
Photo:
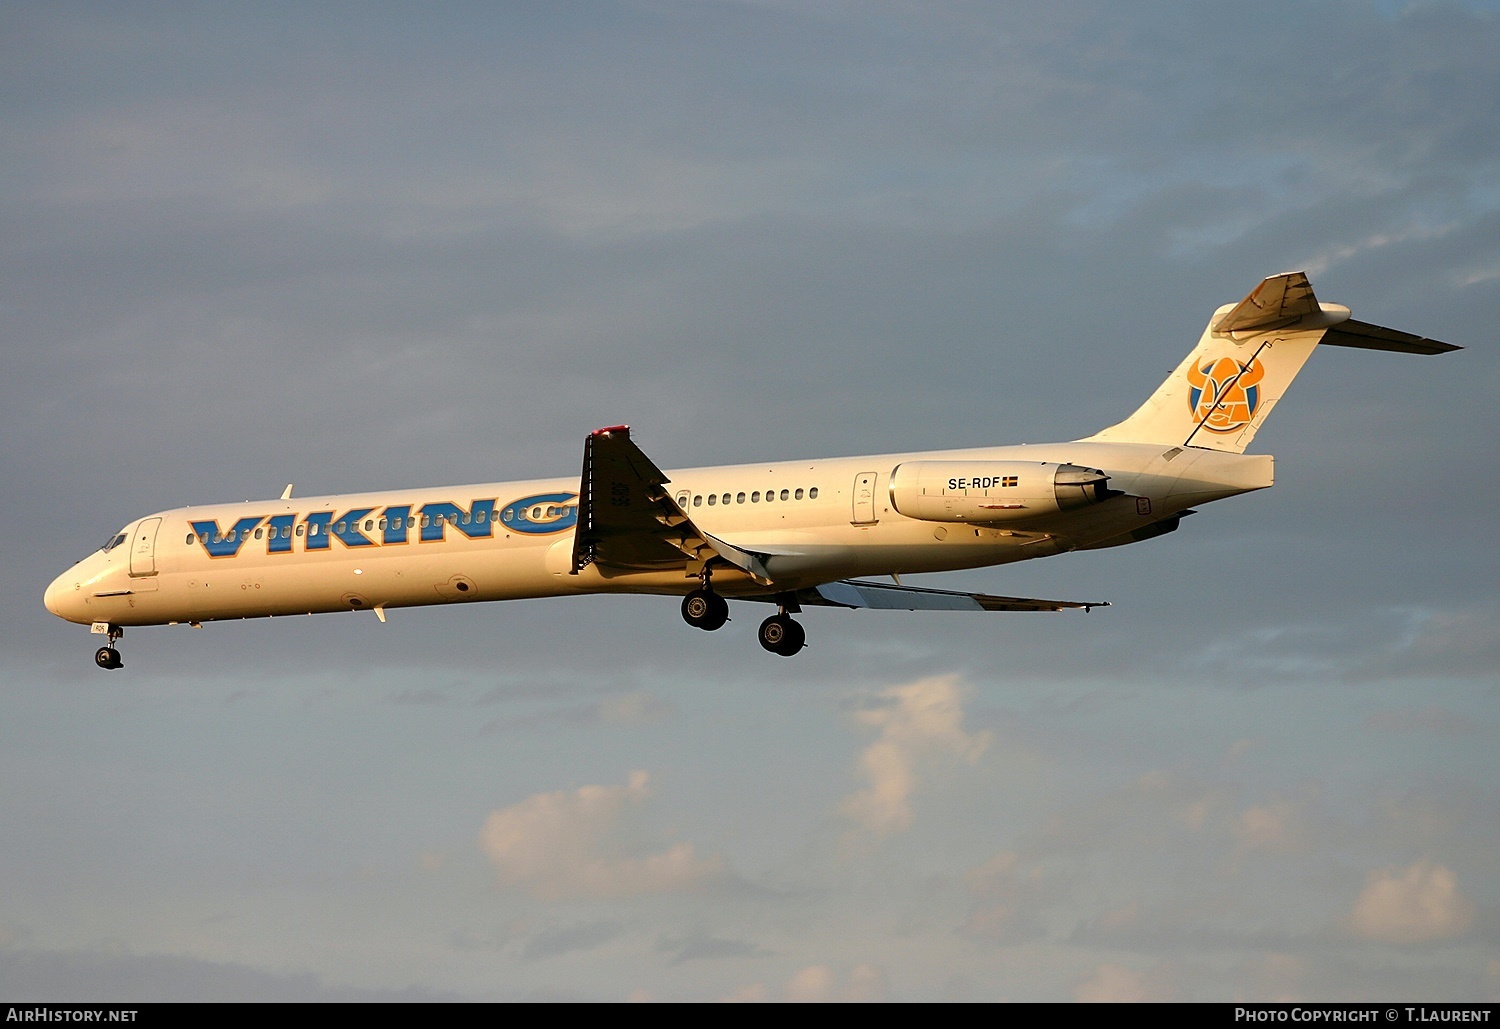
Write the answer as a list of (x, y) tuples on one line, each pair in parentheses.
[(339, 528), (770, 496)]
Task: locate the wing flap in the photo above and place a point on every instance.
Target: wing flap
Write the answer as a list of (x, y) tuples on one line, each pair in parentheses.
[(858, 593)]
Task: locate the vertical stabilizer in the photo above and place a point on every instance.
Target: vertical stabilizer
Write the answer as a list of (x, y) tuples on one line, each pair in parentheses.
[(1221, 394)]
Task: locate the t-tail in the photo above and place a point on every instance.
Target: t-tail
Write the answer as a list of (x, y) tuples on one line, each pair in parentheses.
[(1220, 395)]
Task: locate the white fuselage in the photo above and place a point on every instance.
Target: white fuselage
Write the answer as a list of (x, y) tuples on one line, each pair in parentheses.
[(820, 521)]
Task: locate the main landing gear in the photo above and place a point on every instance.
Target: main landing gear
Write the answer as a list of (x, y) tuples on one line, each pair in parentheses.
[(705, 609), (780, 634), (108, 656)]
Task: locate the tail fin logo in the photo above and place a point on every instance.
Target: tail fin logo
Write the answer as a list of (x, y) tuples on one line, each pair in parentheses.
[(1225, 393)]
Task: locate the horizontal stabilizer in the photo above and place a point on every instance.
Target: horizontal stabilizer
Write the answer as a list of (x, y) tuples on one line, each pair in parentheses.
[(888, 596), (1277, 301), (1365, 336)]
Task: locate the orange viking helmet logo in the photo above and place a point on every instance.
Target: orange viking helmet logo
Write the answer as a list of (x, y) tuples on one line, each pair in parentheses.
[(1225, 393)]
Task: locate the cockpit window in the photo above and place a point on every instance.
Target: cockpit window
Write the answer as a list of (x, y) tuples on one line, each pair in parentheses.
[(113, 542)]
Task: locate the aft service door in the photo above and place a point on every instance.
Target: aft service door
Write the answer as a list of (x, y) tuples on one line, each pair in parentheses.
[(864, 499), (143, 547)]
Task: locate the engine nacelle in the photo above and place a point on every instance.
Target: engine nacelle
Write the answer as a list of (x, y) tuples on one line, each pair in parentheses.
[(992, 492)]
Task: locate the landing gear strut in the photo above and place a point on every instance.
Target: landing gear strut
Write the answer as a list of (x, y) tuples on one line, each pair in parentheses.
[(108, 656)]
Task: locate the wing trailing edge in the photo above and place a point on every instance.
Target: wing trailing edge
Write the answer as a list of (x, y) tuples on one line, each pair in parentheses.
[(858, 593)]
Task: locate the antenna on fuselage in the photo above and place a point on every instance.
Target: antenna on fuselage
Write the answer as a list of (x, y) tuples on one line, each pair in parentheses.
[(286, 494)]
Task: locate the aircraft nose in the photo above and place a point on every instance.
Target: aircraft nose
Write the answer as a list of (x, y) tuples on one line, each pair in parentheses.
[(59, 597), (53, 597)]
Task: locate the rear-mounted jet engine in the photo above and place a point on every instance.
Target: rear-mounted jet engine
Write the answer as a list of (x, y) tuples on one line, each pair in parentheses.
[(993, 491)]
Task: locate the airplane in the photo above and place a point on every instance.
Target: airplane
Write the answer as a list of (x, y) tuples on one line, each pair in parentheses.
[(789, 533)]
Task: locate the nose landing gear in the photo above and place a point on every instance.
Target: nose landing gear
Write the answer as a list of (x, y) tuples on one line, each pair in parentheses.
[(107, 656)]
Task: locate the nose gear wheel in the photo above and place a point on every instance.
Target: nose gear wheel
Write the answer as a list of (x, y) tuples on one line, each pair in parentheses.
[(108, 657)]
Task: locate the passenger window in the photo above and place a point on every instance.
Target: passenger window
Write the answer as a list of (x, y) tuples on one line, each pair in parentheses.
[(784, 494), (713, 498), (190, 539), (698, 500), (369, 524), (299, 530), (258, 534), (381, 523), (812, 494), (755, 497), (799, 494), (739, 498)]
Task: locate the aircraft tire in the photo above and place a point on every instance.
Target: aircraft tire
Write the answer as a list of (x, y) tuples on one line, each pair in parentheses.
[(704, 609), (783, 635), (107, 657)]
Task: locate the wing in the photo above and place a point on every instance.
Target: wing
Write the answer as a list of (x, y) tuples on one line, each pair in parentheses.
[(628, 521), (889, 596)]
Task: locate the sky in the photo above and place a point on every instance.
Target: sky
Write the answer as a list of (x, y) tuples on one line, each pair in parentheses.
[(375, 246)]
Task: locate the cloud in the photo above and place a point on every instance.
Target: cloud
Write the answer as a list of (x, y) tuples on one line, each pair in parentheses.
[(1420, 904), (1116, 984), (1279, 826), (750, 993), (563, 845), (920, 725), (700, 945), (564, 939), (635, 708), (1008, 901), (1432, 719), (129, 978), (820, 984), (1437, 641)]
